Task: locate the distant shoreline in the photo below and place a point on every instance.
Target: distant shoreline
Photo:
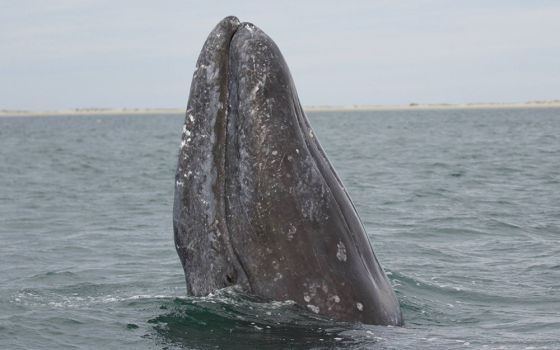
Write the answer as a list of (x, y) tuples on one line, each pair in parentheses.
[(352, 108)]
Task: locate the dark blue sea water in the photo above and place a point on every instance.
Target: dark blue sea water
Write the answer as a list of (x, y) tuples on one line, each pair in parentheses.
[(462, 208)]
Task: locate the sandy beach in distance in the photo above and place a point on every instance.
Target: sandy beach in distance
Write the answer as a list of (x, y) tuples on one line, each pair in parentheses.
[(350, 108)]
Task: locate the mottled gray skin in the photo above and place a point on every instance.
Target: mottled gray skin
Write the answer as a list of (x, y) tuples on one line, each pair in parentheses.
[(258, 205)]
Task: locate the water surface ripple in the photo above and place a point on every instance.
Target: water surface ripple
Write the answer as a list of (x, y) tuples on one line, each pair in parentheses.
[(462, 208)]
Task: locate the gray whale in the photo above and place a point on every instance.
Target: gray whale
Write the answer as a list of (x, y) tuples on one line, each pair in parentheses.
[(258, 206)]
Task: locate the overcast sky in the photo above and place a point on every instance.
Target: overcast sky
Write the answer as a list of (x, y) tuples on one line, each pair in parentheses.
[(66, 53)]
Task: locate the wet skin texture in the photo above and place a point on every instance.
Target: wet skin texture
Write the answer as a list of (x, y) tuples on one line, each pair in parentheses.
[(258, 206)]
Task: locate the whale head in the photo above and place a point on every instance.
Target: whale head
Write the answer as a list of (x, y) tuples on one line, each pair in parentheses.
[(258, 206)]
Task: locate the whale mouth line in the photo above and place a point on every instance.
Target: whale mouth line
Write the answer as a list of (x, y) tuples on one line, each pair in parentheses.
[(226, 151), (227, 138)]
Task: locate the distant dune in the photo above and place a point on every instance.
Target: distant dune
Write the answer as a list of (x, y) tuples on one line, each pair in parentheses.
[(350, 108), (431, 106), (93, 111)]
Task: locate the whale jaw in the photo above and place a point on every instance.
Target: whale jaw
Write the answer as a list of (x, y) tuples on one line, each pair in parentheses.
[(258, 206)]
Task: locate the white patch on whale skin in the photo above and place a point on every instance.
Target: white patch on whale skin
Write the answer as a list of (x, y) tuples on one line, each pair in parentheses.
[(306, 297), (313, 308), (336, 299), (257, 87), (191, 118), (291, 232), (274, 152), (341, 252), (311, 133), (360, 306), (184, 143)]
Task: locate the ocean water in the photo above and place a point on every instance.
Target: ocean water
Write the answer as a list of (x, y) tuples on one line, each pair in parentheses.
[(462, 208)]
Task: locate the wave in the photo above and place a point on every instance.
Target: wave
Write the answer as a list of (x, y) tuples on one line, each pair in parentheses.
[(236, 321)]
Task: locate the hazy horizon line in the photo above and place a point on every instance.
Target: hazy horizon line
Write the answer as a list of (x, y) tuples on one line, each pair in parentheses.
[(309, 108)]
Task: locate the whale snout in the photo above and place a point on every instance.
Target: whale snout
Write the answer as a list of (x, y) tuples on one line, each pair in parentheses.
[(257, 203)]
